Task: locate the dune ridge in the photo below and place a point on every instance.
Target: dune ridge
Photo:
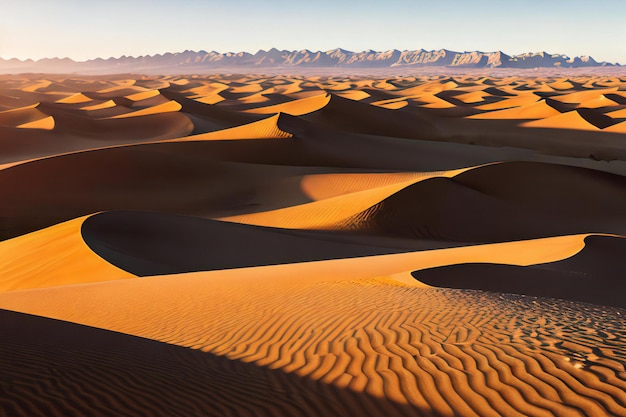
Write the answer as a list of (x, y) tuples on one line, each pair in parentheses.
[(62, 256)]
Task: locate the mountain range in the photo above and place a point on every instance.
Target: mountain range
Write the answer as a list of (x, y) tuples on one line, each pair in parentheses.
[(201, 61)]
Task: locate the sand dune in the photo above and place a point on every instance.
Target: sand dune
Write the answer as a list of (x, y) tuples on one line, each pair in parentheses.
[(170, 106), (316, 245), (588, 276), (156, 244), (65, 132), (21, 116), (263, 129), (103, 105), (617, 114), (536, 110), (354, 95), (144, 95), (296, 107), (417, 353), (79, 98), (62, 257), (340, 211), (354, 116), (46, 123), (163, 176), (521, 100), (568, 120), (598, 103), (520, 204), (584, 96)]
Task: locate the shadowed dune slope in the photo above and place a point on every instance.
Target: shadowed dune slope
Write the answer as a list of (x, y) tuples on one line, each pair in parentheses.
[(74, 133), (508, 201), (20, 116), (156, 244), (153, 126), (340, 148), (236, 176), (163, 177), (78, 370), (353, 116), (594, 275)]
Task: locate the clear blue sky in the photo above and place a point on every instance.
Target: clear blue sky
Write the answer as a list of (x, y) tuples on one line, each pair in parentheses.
[(83, 29)]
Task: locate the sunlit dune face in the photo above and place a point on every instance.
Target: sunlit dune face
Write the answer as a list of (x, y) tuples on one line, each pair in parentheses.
[(312, 245)]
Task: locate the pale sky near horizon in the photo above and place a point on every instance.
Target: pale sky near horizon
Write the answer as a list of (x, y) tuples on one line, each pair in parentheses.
[(85, 29)]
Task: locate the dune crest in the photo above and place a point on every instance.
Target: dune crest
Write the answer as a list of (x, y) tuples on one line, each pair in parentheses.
[(296, 107), (62, 257), (266, 128), (335, 210)]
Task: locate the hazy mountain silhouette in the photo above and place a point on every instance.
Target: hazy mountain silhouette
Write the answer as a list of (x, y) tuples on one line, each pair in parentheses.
[(337, 58)]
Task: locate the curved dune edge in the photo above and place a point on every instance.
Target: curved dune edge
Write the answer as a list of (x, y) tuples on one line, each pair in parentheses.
[(395, 266), (431, 101), (522, 100), (54, 256), (451, 352), (323, 186), (590, 276), (22, 116), (618, 114), (74, 99), (296, 107), (104, 105), (535, 110), (331, 212), (598, 103), (170, 106), (569, 120), (122, 85), (19, 109), (157, 243), (582, 96), (617, 128), (500, 202), (143, 95), (398, 267), (47, 123), (36, 86), (392, 104), (355, 95), (262, 129), (209, 99)]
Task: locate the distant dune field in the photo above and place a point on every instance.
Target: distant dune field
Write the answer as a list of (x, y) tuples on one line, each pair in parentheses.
[(248, 245)]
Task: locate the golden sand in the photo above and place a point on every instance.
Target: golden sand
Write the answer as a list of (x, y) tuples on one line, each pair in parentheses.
[(344, 191)]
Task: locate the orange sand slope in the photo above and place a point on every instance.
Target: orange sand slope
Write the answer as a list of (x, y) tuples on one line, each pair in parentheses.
[(373, 336), (62, 256), (312, 246)]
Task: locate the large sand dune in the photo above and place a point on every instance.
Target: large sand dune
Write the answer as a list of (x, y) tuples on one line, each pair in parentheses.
[(317, 246)]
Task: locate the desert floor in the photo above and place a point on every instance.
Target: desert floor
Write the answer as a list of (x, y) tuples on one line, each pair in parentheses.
[(312, 246)]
